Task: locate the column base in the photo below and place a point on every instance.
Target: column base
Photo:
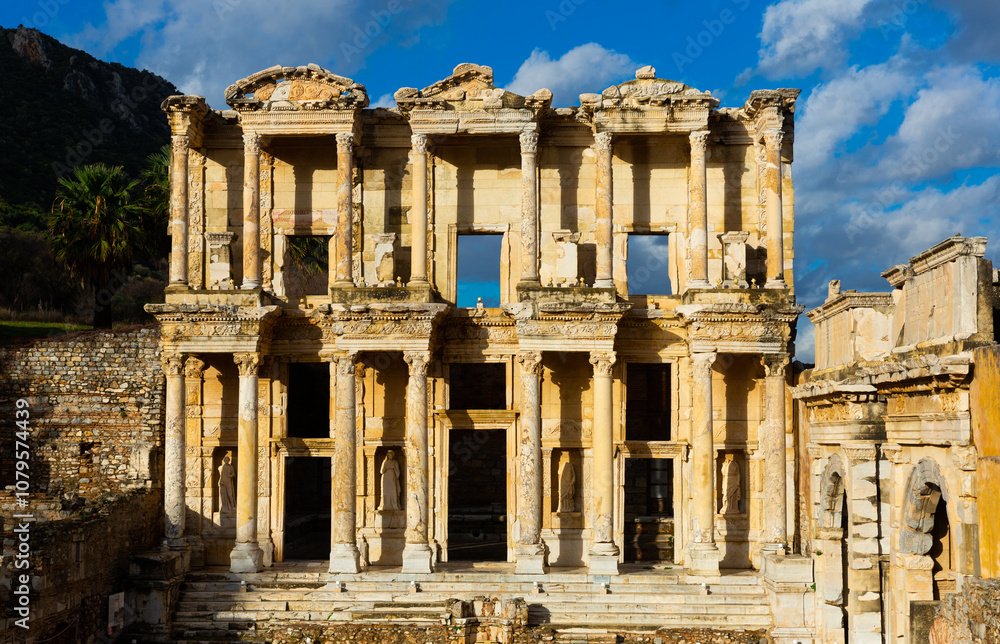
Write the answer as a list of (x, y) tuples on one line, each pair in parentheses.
[(341, 284), (417, 558), (604, 283), (345, 558), (699, 284), (603, 564), (245, 558), (249, 285), (529, 565), (528, 283), (703, 559), (181, 547), (775, 284), (774, 549)]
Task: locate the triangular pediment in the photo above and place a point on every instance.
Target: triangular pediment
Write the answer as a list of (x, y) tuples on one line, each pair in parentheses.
[(307, 87), (645, 90), (470, 87)]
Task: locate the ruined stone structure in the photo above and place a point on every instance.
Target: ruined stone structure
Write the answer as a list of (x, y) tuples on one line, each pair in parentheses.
[(898, 425)]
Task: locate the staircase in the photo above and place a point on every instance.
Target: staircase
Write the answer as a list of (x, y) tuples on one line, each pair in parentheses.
[(218, 606)]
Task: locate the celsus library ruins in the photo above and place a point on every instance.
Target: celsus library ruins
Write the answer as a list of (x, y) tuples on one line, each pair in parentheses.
[(337, 430)]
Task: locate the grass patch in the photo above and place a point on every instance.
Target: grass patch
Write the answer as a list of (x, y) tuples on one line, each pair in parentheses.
[(15, 332)]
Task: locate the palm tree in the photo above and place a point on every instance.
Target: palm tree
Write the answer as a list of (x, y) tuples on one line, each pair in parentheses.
[(156, 195), (97, 227)]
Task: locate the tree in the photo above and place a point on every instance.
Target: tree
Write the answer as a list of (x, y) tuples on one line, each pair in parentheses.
[(97, 227), (156, 200)]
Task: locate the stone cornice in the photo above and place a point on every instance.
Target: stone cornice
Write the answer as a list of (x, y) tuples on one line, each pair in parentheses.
[(849, 300), (942, 253)]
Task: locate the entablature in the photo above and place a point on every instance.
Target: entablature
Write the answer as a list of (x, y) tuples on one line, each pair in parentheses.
[(553, 326), (193, 328), (380, 326), (739, 327)]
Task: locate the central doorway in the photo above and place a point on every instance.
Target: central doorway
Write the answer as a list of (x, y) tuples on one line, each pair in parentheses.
[(477, 495), (307, 508), (649, 510)]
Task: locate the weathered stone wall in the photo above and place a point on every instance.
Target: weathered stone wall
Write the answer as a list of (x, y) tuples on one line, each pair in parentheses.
[(77, 563), (96, 412), (971, 616), (985, 408)]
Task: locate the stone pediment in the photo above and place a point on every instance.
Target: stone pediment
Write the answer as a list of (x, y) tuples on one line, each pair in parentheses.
[(646, 91), (470, 88), (305, 88)]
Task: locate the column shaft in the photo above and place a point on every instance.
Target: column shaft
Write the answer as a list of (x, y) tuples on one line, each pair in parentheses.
[(603, 552), (417, 552), (772, 179), (345, 214), (418, 220), (698, 204), (246, 556), (703, 554), (604, 211), (173, 459), (529, 208), (529, 552), (180, 146), (344, 554), (775, 500), (251, 210)]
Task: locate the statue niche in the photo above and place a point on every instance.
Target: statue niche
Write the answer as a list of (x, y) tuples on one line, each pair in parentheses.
[(389, 511)]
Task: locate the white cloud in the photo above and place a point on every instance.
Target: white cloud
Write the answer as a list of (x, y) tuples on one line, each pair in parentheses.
[(385, 100), (800, 36), (204, 46), (587, 68)]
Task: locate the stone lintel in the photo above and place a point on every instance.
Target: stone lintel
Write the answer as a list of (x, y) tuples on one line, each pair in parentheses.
[(351, 295)]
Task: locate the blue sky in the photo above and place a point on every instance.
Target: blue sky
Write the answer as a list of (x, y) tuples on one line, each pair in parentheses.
[(897, 127)]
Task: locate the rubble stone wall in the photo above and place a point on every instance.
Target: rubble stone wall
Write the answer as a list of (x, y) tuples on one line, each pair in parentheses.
[(971, 616)]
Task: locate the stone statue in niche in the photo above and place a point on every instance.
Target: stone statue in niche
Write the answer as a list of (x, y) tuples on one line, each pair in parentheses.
[(732, 492), (567, 486), (227, 489), (390, 482)]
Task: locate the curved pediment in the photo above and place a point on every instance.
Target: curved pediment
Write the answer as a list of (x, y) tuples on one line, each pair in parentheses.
[(646, 90), (308, 87), (470, 87)]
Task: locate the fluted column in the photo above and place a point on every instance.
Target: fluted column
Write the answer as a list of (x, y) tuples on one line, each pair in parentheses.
[(246, 556), (345, 214), (604, 207), (180, 146), (529, 208), (344, 554), (173, 458), (775, 500), (698, 204), (418, 219), (529, 552), (251, 210), (417, 554), (603, 551), (703, 554), (772, 180)]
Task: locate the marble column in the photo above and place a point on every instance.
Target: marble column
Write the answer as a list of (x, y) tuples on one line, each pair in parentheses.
[(246, 556), (529, 209), (603, 551), (344, 553), (772, 181), (194, 370), (702, 553), (418, 218), (775, 519), (604, 207), (698, 209), (529, 551), (251, 210), (417, 555), (345, 212), (173, 458), (180, 147)]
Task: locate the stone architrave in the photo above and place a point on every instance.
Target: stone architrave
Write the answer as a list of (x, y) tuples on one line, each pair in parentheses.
[(417, 553), (703, 553), (603, 551), (180, 147), (529, 208), (604, 208), (247, 555), (698, 204), (529, 551), (344, 554), (772, 181), (418, 217), (775, 520)]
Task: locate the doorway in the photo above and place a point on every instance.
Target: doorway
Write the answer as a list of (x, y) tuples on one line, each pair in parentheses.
[(307, 508), (477, 495), (649, 510)]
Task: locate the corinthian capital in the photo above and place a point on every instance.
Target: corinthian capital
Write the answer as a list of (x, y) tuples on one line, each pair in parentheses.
[(602, 141), (251, 143), (247, 363), (773, 137), (774, 364), (194, 367), (173, 365), (345, 142), (531, 362), (347, 364), (701, 364), (699, 143), (529, 142), (419, 143), (180, 143), (603, 361), (418, 361)]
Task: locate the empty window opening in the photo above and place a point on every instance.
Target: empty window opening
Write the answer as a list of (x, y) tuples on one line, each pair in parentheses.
[(477, 386), (309, 400), (649, 509), (307, 508), (478, 270), (647, 264), (477, 495), (647, 402), (307, 265)]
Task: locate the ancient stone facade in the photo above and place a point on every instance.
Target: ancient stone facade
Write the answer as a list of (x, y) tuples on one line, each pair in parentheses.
[(281, 372), (899, 445)]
